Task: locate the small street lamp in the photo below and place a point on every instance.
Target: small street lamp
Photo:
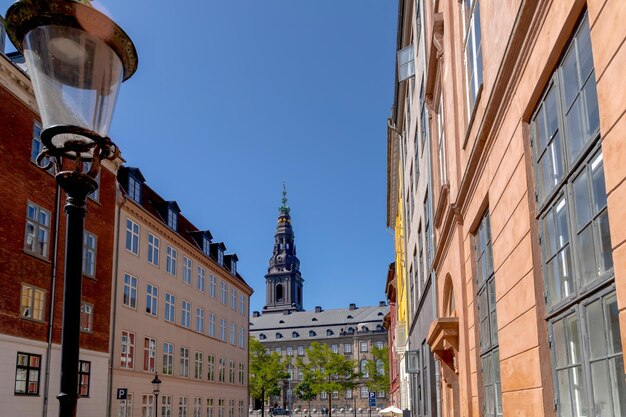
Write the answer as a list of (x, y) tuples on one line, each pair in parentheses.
[(77, 58), (156, 384)]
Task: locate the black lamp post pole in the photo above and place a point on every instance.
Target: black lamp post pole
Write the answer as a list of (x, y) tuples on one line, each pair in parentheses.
[(77, 185)]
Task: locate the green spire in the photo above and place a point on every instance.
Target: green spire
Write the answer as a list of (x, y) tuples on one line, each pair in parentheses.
[(284, 208)]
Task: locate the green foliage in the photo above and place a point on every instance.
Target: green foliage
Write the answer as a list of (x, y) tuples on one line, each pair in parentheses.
[(326, 371), (304, 390), (377, 380), (267, 370)]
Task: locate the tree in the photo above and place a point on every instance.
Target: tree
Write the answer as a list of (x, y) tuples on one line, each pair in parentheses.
[(327, 371), (304, 392), (378, 370), (267, 370)]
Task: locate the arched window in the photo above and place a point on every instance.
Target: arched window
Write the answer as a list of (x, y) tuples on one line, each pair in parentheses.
[(279, 335), (279, 293), (350, 330), (295, 334), (380, 367), (380, 328), (262, 336), (329, 332), (363, 368), (312, 333)]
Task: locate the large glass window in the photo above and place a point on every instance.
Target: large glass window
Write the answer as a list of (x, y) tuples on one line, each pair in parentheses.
[(27, 373), (488, 322), (575, 240), (89, 254), (473, 50), (37, 230)]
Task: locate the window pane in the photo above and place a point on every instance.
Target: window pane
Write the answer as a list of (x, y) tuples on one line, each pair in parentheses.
[(597, 184), (558, 334), (595, 324), (591, 98), (552, 121), (562, 223), (582, 200), (584, 51), (601, 389), (570, 78), (578, 391), (612, 317), (575, 137), (618, 385), (573, 340), (564, 273), (565, 398), (605, 238), (587, 256)]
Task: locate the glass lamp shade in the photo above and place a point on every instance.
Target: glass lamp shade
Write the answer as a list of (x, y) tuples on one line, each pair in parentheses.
[(77, 58), (76, 77)]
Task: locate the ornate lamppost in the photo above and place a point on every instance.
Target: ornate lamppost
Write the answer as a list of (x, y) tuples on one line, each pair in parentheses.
[(77, 58), (156, 389)]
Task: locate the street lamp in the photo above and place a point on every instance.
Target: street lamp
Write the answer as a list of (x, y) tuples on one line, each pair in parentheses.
[(156, 384), (77, 58)]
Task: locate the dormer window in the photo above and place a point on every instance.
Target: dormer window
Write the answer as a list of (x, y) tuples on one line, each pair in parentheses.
[(220, 256), (206, 245), (172, 218), (134, 189), (233, 266)]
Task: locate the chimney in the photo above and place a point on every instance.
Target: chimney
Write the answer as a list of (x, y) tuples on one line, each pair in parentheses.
[(318, 309), (352, 306), (382, 304), (255, 314)]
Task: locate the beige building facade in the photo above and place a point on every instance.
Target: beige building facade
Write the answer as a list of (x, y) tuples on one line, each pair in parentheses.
[(181, 310), (526, 114)]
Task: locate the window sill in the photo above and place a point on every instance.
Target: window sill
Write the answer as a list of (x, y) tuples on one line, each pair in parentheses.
[(470, 122), (32, 320), (37, 256), (443, 338)]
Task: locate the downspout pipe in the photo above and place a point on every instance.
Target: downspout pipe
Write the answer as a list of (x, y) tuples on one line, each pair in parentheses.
[(112, 333), (53, 284)]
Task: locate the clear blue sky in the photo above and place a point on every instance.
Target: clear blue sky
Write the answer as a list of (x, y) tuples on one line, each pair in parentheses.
[(232, 98)]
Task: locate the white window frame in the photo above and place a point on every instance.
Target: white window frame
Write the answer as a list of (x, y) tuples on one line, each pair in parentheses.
[(185, 316), (187, 269), (36, 241), (200, 279), (86, 309), (152, 299), (153, 249), (171, 260), (184, 362), (90, 251), (130, 288), (211, 325), (132, 236), (170, 307), (199, 319), (33, 303)]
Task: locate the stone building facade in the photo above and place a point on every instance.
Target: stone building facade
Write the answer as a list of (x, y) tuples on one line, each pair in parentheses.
[(181, 310), (285, 327), (527, 173)]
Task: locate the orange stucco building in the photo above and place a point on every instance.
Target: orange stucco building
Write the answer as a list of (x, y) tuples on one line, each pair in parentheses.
[(526, 116)]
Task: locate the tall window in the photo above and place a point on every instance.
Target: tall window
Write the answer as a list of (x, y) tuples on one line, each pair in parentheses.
[(152, 297), (199, 320), (242, 304), (36, 144), (197, 407), (231, 408), (132, 236), (168, 358), (231, 371), (489, 348), (27, 374), (363, 369), (197, 369), (473, 50), (300, 350), (210, 367), (233, 334), (89, 254), (206, 245), (575, 239), (170, 260), (212, 285), (241, 413), (364, 391), (166, 406), (441, 143), (427, 234), (183, 404), (223, 330), (233, 299), (147, 405), (149, 354), (223, 292), (185, 317), (84, 378), (200, 283), (362, 346), (220, 408), (222, 370), (184, 361), (420, 259), (86, 318), (153, 249), (241, 378), (187, 265), (37, 230), (209, 407), (32, 303), (134, 189), (170, 307), (424, 118), (211, 326), (127, 353), (242, 338), (172, 218), (130, 291)]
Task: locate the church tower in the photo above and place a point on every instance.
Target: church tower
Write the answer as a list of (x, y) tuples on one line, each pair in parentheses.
[(283, 281)]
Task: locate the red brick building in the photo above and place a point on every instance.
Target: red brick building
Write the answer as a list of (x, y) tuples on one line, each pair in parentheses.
[(32, 243)]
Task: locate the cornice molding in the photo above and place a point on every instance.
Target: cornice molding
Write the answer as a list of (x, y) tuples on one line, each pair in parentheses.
[(17, 83)]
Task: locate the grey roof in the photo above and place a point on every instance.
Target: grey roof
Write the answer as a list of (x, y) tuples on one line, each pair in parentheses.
[(338, 321)]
